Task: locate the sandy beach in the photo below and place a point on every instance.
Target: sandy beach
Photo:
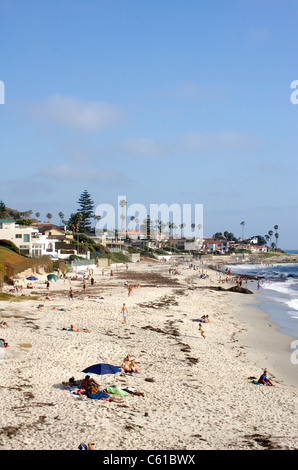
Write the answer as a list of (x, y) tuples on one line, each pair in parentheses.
[(195, 391)]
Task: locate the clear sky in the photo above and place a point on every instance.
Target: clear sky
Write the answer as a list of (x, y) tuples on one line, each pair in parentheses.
[(163, 101)]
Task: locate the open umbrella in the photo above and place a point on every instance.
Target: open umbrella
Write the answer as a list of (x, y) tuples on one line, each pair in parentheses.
[(32, 278), (102, 369), (52, 277)]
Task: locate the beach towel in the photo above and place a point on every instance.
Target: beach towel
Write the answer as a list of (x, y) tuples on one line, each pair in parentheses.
[(98, 395), (254, 381), (117, 391)]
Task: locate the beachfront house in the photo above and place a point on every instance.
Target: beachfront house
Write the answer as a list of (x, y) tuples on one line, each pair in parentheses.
[(28, 239), (212, 245), (112, 242)]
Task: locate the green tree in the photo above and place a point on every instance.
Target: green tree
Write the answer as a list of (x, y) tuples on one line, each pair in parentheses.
[(218, 236), (74, 222), (49, 216), (86, 209), (3, 210), (270, 233)]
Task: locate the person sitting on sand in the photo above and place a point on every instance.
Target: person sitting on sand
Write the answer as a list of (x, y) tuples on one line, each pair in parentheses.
[(89, 384), (4, 324), (128, 364), (264, 380)]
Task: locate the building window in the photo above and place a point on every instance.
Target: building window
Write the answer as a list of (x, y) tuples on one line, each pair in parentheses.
[(24, 249), (26, 238), (18, 235), (1, 225)]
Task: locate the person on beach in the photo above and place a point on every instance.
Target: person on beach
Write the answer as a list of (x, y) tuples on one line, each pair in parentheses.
[(4, 324), (74, 328), (70, 294), (128, 364), (264, 379), (202, 330), (124, 312)]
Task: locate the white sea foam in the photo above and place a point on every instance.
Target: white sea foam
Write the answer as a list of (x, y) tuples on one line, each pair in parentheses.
[(293, 304), (285, 287)]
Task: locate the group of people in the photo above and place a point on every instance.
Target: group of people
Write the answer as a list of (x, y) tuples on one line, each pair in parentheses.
[(130, 287)]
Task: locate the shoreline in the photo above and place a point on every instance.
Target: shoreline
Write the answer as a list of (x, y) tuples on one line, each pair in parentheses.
[(196, 392), (264, 337)]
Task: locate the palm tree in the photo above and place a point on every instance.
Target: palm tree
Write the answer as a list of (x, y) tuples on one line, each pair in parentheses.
[(276, 234), (74, 222), (181, 227), (49, 216), (122, 204), (276, 238), (242, 223), (270, 233), (171, 226), (37, 215)]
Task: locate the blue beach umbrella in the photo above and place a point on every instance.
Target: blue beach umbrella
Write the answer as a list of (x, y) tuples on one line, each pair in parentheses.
[(102, 369), (32, 278)]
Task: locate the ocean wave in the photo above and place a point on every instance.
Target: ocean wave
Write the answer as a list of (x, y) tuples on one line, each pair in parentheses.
[(293, 304), (275, 272), (285, 287)]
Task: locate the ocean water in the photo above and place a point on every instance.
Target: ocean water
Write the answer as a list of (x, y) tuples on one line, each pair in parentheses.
[(278, 292)]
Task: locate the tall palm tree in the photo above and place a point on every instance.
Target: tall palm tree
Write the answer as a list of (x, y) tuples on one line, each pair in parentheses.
[(242, 223), (270, 233), (122, 204), (276, 238), (276, 234), (182, 227)]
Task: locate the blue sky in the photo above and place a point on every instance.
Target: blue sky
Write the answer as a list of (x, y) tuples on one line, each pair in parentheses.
[(163, 101)]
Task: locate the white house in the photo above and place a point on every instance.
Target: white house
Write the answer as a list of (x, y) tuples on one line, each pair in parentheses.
[(28, 239)]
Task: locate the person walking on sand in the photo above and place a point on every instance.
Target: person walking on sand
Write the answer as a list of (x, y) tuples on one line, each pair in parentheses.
[(70, 294), (124, 313), (202, 331)]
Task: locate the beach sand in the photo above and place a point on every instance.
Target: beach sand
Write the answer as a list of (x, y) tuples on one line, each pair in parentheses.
[(197, 392)]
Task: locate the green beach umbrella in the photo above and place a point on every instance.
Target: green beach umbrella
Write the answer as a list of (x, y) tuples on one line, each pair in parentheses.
[(52, 277)]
